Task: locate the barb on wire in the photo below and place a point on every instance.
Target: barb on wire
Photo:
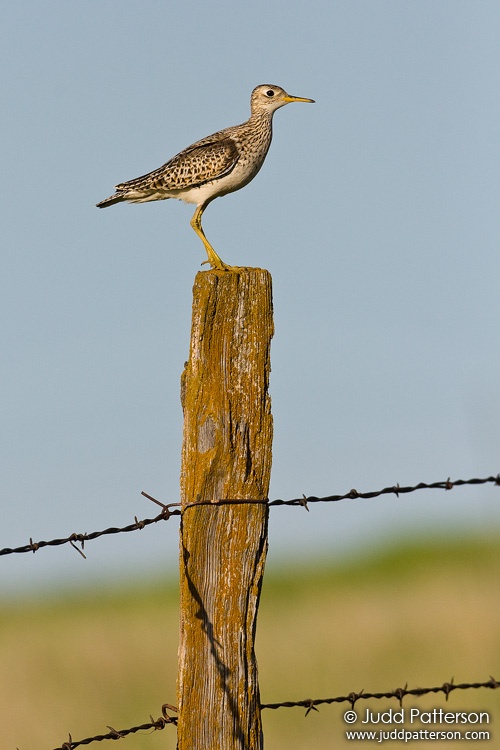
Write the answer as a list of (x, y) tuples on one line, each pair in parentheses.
[(302, 502), (116, 734), (399, 693)]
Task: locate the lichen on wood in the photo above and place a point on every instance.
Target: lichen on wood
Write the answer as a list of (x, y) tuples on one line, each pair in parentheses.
[(226, 454)]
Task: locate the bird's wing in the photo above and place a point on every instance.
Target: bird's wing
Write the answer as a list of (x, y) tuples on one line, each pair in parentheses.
[(200, 163)]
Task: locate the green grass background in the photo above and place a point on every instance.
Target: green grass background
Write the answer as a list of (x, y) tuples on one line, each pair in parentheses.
[(420, 613)]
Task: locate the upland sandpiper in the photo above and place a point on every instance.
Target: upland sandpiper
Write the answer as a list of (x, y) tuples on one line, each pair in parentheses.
[(219, 164)]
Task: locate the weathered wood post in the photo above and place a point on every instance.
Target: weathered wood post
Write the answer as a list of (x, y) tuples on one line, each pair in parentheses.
[(226, 454)]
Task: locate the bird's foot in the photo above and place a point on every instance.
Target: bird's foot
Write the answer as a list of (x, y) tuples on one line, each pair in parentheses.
[(216, 263), (219, 265)]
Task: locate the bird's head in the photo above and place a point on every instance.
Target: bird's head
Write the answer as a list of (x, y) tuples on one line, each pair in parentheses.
[(268, 98)]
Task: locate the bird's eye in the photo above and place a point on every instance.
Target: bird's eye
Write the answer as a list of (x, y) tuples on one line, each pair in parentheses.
[(269, 92)]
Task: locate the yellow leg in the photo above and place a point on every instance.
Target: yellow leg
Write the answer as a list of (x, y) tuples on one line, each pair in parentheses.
[(213, 258)]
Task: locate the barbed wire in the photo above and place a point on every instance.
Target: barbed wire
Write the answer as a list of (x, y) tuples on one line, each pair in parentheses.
[(117, 734), (310, 704), (396, 489), (75, 538), (173, 509), (398, 693), (167, 512)]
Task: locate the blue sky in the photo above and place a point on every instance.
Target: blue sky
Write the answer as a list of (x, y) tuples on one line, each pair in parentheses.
[(376, 212)]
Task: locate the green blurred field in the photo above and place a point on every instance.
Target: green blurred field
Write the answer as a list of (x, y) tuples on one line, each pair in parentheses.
[(418, 614)]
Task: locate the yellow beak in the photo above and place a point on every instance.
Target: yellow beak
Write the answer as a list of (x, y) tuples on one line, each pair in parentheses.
[(289, 98)]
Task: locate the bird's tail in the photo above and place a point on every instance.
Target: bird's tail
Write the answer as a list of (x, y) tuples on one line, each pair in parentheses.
[(117, 198)]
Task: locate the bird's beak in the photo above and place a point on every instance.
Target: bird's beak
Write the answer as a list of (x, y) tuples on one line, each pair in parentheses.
[(289, 98)]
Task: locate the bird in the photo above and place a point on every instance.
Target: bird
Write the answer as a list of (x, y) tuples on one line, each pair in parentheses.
[(213, 166)]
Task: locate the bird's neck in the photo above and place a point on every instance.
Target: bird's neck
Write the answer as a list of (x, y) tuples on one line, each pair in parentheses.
[(261, 123), (262, 115)]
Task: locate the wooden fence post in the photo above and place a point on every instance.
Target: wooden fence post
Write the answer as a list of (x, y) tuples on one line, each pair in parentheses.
[(226, 454)]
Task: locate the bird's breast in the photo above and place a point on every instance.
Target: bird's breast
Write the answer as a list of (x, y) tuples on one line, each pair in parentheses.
[(243, 172)]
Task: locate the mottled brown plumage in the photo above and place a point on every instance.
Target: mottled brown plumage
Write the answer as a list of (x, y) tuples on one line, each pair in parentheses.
[(219, 164)]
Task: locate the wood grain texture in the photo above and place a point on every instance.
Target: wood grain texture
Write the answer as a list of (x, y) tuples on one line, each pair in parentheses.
[(226, 454)]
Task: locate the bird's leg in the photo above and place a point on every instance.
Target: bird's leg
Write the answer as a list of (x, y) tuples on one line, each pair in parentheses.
[(214, 260)]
